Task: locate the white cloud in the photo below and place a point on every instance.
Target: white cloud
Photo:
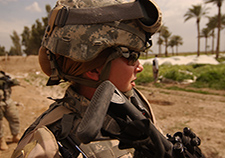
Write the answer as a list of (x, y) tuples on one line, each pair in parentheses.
[(33, 7)]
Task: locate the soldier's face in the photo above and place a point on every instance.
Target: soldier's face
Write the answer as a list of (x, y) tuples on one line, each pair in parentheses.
[(123, 75)]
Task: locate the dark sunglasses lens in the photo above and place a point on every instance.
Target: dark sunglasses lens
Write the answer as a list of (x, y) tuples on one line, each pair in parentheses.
[(133, 58)]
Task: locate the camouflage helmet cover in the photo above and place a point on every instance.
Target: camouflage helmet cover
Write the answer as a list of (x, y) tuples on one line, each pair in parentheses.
[(83, 42)]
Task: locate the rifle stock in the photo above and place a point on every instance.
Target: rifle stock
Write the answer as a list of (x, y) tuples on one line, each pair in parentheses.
[(161, 143)]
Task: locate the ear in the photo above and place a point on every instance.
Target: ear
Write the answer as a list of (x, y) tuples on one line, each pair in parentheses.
[(93, 74)]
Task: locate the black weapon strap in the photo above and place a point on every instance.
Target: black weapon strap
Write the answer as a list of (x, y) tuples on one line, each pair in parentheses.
[(64, 129)]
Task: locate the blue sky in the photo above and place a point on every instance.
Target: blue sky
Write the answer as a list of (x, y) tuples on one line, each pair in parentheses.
[(15, 14)]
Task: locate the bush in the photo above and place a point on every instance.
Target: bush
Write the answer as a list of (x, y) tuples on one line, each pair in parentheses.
[(177, 72), (177, 75), (197, 65), (211, 77), (208, 76)]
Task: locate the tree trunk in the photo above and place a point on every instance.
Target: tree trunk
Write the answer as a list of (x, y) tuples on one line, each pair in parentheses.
[(218, 36), (206, 44), (159, 49), (177, 50), (213, 41), (198, 30), (166, 46)]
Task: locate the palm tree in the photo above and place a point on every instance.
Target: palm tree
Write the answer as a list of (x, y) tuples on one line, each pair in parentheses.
[(219, 4), (172, 43), (160, 42), (178, 41), (197, 11), (165, 35), (206, 33), (212, 24)]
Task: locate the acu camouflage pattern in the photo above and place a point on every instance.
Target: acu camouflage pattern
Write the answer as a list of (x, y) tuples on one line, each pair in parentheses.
[(84, 42), (8, 108), (105, 148)]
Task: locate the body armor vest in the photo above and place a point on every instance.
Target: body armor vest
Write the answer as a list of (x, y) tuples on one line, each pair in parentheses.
[(64, 128)]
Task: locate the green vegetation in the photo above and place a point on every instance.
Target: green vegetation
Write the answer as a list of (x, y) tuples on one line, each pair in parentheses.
[(177, 73), (221, 59), (203, 75), (211, 77)]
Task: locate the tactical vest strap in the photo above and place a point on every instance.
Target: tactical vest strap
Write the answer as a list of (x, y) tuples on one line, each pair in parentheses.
[(67, 124), (53, 116)]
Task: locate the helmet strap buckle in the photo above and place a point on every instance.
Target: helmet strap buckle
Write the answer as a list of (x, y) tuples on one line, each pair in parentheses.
[(55, 75)]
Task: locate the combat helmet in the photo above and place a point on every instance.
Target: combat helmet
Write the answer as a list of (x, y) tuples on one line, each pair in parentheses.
[(81, 29)]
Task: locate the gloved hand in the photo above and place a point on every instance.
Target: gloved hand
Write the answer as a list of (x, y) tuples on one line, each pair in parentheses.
[(137, 134)]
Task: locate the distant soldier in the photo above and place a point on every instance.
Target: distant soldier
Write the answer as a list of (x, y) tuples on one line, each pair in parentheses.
[(155, 68), (8, 109)]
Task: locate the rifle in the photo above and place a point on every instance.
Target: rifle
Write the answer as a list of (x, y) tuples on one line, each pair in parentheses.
[(7, 81), (140, 133)]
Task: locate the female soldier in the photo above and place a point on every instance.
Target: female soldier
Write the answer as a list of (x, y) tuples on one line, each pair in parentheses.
[(88, 42)]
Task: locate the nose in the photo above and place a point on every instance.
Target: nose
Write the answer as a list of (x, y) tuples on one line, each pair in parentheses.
[(139, 67)]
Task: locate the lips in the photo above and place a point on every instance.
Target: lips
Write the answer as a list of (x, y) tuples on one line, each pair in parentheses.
[(133, 82)]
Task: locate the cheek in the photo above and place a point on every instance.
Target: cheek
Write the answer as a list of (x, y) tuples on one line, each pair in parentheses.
[(121, 75)]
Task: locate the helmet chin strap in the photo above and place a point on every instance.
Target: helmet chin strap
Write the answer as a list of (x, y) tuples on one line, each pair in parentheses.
[(58, 75)]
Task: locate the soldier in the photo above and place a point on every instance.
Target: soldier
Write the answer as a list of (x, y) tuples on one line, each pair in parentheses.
[(86, 43), (155, 68), (8, 109)]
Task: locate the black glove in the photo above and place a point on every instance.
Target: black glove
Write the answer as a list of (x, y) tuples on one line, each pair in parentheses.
[(138, 135), (185, 144)]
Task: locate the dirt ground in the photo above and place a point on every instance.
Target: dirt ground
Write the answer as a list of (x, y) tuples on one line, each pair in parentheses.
[(174, 110)]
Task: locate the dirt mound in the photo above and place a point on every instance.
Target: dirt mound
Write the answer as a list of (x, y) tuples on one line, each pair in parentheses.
[(174, 110)]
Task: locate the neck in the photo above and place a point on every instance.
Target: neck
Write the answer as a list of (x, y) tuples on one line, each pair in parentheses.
[(86, 91)]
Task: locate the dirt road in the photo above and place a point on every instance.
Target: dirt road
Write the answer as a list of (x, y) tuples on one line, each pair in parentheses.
[(174, 110)]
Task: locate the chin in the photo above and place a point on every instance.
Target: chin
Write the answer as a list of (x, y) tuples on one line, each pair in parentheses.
[(130, 88)]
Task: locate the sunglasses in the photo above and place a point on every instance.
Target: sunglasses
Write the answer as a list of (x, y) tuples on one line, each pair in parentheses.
[(130, 56)]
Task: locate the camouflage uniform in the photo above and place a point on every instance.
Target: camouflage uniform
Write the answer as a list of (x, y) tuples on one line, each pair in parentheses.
[(104, 148), (155, 68), (8, 109), (11, 113)]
